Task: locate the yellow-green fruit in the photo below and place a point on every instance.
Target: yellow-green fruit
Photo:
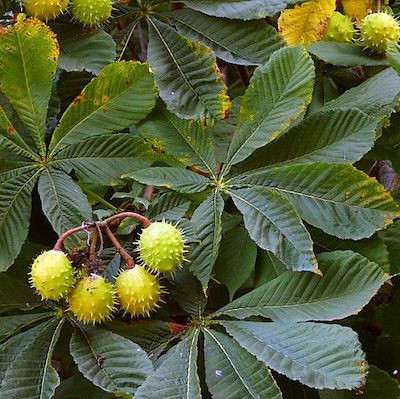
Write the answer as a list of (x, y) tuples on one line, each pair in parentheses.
[(378, 30), (92, 300), (52, 275), (45, 9), (340, 29), (91, 12), (138, 291), (161, 247)]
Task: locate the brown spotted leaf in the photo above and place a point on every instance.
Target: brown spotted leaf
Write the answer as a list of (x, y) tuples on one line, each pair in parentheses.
[(25, 78), (186, 74), (306, 23), (122, 95)]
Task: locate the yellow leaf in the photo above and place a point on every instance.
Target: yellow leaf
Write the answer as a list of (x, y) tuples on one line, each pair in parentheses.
[(357, 9), (306, 24)]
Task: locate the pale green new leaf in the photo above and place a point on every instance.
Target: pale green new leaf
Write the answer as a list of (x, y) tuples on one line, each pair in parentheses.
[(274, 225), (28, 62), (123, 367), (122, 95), (186, 74), (240, 9), (349, 282), (103, 159), (15, 211), (31, 374), (236, 42), (237, 252), (232, 372), (332, 136), (279, 92), (317, 355), (9, 325), (63, 202), (186, 140), (208, 220), (338, 199), (376, 96), (84, 50), (178, 179), (176, 378)]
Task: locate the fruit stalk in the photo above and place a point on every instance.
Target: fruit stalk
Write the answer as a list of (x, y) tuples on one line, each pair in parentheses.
[(130, 263)]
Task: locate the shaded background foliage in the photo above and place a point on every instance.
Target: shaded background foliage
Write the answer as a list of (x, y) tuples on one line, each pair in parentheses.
[(335, 108)]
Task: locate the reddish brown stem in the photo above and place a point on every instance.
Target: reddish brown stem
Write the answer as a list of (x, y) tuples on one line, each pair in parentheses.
[(95, 236), (129, 260), (145, 222), (63, 237)]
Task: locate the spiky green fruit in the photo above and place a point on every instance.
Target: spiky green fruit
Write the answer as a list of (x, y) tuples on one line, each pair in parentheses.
[(378, 30), (138, 291), (340, 29), (161, 247), (52, 275), (45, 9), (91, 12), (92, 300)]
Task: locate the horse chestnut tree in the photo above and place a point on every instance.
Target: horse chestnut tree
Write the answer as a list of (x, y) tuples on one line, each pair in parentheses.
[(199, 199)]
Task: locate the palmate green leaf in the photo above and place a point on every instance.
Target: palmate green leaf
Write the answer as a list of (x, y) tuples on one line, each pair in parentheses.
[(123, 367), (31, 375), (186, 140), (237, 42), (9, 325), (379, 385), (151, 335), (169, 206), (177, 377), (279, 92), (14, 294), (332, 136), (83, 50), (178, 179), (208, 220), (122, 95), (232, 372), (15, 211), (102, 159), (186, 74), (345, 54), (391, 238), (240, 9), (349, 282), (274, 225), (317, 355), (237, 252), (376, 96), (25, 78), (63, 202), (268, 268), (11, 140), (338, 199)]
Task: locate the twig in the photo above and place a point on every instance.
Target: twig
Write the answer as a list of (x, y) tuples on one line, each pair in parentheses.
[(119, 216)]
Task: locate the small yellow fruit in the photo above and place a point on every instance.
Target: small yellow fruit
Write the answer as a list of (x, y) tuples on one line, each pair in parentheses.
[(45, 9), (91, 12), (377, 30), (52, 275), (92, 300), (161, 247), (138, 291), (340, 29)]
